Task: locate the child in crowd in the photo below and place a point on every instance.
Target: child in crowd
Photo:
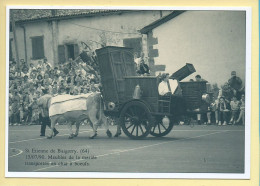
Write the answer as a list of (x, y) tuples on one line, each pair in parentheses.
[(39, 88), (47, 79), (85, 91), (40, 71), (48, 87), (40, 64), (25, 71), (55, 88), (25, 83), (214, 109), (56, 78), (46, 63), (39, 79), (31, 68)]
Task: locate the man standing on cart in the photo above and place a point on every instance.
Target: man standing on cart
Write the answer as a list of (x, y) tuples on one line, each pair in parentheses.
[(171, 87)]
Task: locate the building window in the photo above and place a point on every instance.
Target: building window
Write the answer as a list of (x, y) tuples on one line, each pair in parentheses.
[(37, 47), (67, 51), (70, 51), (135, 43)]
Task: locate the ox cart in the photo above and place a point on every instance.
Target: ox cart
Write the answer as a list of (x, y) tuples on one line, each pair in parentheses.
[(133, 99)]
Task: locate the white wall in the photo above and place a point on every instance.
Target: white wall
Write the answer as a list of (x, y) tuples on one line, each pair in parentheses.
[(213, 41), (79, 29), (75, 30), (32, 30)]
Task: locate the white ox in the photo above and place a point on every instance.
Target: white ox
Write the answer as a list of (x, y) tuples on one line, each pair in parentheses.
[(75, 109)]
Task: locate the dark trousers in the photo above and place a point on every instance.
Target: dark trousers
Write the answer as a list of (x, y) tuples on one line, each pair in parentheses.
[(235, 114), (45, 121), (178, 106), (15, 118), (223, 116)]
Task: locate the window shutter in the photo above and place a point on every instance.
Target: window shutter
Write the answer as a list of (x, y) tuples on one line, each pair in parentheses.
[(61, 53), (37, 47), (76, 51)]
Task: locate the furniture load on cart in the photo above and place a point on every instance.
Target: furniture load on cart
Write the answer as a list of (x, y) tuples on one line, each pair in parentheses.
[(133, 99)]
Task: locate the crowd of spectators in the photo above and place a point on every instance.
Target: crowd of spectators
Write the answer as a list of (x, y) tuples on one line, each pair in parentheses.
[(29, 82), (228, 103)]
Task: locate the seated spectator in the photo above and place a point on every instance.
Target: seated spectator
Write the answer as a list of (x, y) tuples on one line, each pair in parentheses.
[(39, 88), (56, 78), (40, 64), (242, 110), (47, 79), (48, 69), (40, 71), (234, 104), (56, 71), (33, 75), (85, 91), (39, 79), (12, 75), (47, 87), (55, 88), (62, 90), (223, 111), (25, 72), (62, 83), (13, 67), (46, 63), (31, 68), (51, 74), (93, 86), (25, 82)]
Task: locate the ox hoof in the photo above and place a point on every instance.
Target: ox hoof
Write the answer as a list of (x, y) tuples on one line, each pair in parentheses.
[(117, 134), (55, 133), (71, 136), (109, 134), (75, 135), (93, 136), (49, 137)]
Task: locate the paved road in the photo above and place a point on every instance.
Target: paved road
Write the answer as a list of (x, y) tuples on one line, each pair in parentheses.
[(198, 149)]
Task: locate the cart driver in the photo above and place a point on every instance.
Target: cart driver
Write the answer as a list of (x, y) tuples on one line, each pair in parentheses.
[(171, 87)]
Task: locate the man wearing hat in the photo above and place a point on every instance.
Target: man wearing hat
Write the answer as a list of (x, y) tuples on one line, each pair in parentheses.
[(235, 84)]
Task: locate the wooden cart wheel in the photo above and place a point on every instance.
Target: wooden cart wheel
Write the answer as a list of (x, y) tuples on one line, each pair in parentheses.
[(159, 129), (136, 120)]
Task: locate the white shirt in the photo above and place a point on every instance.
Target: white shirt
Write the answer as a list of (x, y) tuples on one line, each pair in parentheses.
[(163, 87)]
